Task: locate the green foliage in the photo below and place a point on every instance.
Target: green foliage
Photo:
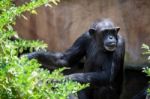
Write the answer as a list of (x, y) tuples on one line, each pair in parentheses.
[(5, 4), (21, 78), (147, 69)]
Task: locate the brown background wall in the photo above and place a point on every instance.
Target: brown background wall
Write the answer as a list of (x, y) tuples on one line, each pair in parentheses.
[(61, 25)]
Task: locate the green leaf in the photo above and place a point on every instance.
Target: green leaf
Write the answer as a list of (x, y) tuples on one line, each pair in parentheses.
[(144, 46), (33, 12)]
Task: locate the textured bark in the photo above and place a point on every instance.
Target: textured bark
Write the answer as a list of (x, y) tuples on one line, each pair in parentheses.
[(61, 25)]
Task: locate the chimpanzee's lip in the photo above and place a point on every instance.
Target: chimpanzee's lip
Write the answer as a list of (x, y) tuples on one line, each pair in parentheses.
[(111, 45), (110, 48)]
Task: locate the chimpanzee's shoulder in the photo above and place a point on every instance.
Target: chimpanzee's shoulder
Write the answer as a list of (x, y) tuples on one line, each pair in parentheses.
[(121, 40), (87, 35)]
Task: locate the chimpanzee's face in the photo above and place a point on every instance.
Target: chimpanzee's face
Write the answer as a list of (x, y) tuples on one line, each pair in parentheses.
[(109, 37), (105, 34)]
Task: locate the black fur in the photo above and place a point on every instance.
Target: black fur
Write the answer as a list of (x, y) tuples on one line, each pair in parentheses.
[(103, 69)]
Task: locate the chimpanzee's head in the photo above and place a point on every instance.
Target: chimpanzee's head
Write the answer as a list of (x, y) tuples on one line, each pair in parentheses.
[(105, 33)]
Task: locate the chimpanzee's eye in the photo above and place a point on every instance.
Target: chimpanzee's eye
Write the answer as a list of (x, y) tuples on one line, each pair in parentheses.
[(105, 33), (113, 32)]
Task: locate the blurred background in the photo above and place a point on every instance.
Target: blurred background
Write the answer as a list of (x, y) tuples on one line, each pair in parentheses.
[(61, 25)]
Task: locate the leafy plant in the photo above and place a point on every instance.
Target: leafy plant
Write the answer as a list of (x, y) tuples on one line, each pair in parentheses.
[(147, 69), (21, 78)]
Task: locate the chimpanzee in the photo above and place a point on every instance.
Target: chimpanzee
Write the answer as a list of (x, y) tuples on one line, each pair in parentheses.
[(103, 50)]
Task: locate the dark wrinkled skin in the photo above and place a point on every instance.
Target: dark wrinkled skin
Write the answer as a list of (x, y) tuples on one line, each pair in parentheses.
[(103, 52)]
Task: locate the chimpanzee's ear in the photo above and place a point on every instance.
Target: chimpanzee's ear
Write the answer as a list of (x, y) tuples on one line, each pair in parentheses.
[(92, 31), (117, 29)]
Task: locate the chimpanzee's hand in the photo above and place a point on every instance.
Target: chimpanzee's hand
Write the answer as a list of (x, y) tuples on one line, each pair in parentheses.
[(75, 77), (49, 58)]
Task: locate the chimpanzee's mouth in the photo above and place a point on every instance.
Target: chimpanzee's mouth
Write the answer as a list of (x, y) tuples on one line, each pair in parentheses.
[(110, 47)]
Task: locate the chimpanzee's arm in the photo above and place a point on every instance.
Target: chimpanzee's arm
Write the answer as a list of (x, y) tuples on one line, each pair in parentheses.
[(95, 78), (67, 58), (48, 58)]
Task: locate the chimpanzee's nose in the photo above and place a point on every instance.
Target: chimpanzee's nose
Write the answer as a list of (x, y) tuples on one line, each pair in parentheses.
[(110, 37)]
